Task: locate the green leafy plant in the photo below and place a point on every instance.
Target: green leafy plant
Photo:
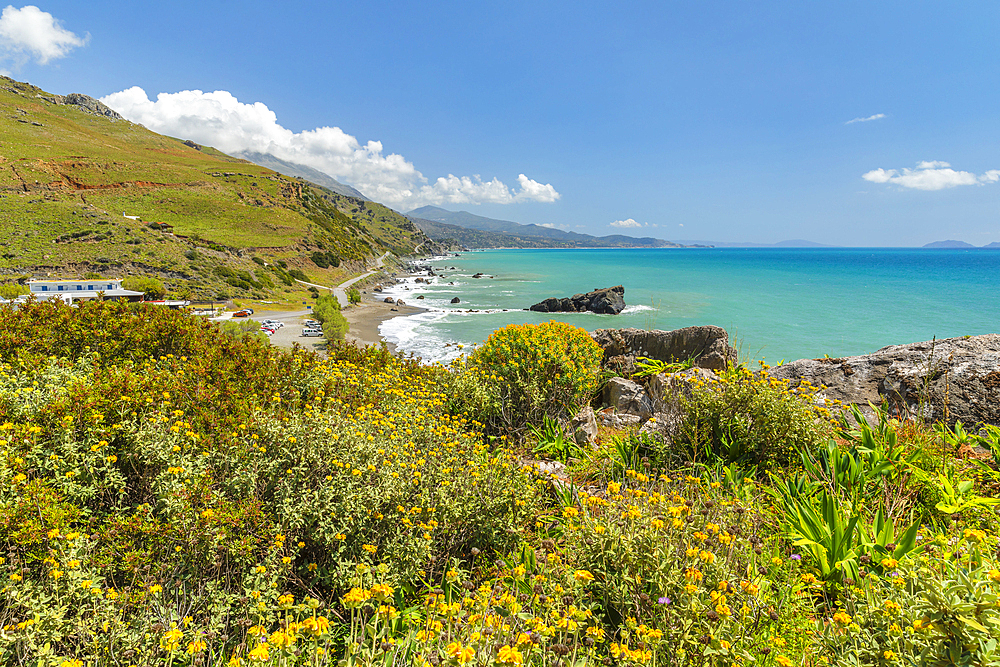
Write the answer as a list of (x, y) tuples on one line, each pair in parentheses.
[(646, 367), (749, 418), (552, 442)]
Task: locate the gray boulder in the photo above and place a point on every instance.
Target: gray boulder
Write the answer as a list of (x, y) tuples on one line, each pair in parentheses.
[(584, 426), (627, 397), (456, 300), (955, 379), (708, 346)]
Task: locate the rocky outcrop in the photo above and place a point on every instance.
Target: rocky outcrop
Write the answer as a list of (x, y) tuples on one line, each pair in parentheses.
[(628, 397), (456, 300), (955, 379), (707, 346), (607, 301), (92, 106)]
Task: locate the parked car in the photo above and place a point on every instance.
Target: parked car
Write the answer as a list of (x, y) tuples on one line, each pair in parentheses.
[(243, 313), (312, 322), (273, 323), (312, 332)]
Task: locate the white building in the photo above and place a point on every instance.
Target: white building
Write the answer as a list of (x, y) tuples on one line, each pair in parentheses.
[(81, 290)]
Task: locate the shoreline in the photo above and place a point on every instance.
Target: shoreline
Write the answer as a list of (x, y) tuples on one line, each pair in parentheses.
[(366, 317)]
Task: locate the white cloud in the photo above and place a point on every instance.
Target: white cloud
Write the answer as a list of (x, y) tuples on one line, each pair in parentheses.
[(680, 224), (930, 175), (29, 32), (219, 119), (626, 223), (878, 116)]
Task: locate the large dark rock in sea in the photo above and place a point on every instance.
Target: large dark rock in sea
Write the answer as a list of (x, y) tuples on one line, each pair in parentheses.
[(607, 301), (707, 346), (954, 379)]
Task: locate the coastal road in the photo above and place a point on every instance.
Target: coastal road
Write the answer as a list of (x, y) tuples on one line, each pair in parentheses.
[(340, 291)]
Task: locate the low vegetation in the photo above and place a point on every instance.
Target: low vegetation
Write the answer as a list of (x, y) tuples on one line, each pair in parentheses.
[(70, 178), (173, 495)]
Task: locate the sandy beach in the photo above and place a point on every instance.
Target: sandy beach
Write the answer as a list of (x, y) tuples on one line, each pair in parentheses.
[(365, 318)]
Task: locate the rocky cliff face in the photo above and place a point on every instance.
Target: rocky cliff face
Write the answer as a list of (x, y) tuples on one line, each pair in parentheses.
[(707, 346), (955, 379), (607, 301)]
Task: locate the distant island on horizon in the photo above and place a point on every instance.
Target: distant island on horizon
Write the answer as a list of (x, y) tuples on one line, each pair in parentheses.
[(960, 245)]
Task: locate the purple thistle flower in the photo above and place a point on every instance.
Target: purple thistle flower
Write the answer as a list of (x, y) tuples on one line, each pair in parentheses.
[(664, 600), (795, 557)]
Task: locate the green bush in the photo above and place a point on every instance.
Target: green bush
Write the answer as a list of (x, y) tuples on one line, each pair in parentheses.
[(523, 373), (749, 418), (156, 475), (242, 328), (353, 295), (939, 608), (150, 287), (325, 259), (327, 311), (13, 290)]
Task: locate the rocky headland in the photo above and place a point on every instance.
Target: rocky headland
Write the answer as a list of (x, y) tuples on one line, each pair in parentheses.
[(949, 380)]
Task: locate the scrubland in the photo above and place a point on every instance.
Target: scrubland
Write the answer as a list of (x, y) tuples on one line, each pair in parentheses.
[(170, 495)]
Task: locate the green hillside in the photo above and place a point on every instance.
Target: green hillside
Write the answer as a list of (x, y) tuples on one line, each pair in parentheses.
[(208, 225)]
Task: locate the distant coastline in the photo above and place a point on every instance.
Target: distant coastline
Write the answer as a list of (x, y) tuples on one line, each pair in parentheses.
[(781, 303)]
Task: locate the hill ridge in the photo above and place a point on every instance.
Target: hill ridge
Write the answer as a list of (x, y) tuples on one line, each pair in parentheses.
[(222, 227)]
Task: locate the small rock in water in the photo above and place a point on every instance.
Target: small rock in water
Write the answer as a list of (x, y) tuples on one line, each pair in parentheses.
[(456, 300)]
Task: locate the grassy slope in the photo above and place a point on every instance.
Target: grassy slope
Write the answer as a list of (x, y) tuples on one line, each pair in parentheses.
[(67, 177)]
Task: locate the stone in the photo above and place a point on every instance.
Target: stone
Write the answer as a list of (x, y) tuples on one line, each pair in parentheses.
[(606, 301), (707, 346), (400, 302), (608, 417), (584, 427), (954, 379), (421, 296), (456, 300), (627, 397), (389, 299)]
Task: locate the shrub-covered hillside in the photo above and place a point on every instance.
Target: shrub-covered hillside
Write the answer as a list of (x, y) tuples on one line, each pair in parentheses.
[(70, 176), (170, 495)]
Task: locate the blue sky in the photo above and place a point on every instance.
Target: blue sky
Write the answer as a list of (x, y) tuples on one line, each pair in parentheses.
[(726, 121)]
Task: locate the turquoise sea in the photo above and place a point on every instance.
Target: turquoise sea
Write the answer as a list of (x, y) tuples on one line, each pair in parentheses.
[(776, 303)]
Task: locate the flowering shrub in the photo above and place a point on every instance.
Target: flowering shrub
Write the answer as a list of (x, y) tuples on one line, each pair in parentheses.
[(522, 373), (939, 608), (171, 496), (750, 418), (677, 554), (139, 492)]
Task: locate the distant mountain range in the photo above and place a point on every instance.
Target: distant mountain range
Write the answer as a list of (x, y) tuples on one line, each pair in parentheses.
[(960, 244), (477, 231), (302, 171), (791, 243)]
